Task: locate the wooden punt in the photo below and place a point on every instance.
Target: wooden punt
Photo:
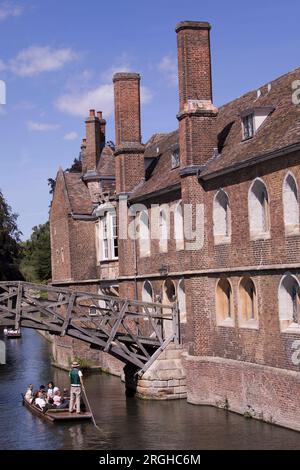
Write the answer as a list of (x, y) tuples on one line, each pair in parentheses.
[(11, 333), (57, 415)]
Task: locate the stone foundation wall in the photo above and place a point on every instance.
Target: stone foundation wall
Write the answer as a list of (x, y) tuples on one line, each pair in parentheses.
[(166, 378), (267, 393)]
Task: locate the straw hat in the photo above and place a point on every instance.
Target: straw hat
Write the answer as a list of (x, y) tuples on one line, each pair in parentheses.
[(75, 364)]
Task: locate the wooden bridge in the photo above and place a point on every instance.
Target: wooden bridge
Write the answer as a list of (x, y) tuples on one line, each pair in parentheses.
[(134, 332)]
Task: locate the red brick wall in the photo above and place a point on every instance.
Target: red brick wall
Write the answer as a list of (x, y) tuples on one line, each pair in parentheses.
[(127, 107), (93, 143), (83, 249), (194, 69), (255, 391), (59, 231)]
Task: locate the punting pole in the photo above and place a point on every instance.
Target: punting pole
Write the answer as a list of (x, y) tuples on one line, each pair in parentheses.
[(88, 404)]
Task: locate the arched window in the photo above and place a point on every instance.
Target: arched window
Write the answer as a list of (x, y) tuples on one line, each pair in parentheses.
[(169, 291), (181, 301), (290, 204), (178, 227), (247, 303), (169, 295), (288, 300), (224, 302), (147, 292), (144, 233), (163, 229), (259, 219), (221, 217)]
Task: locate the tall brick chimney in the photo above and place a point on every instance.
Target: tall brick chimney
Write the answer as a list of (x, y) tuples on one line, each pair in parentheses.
[(102, 129), (129, 150), (197, 114), (93, 144)]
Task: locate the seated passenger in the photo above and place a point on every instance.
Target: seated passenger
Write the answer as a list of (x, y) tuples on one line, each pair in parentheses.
[(29, 393), (40, 401), (57, 398), (59, 401), (50, 391)]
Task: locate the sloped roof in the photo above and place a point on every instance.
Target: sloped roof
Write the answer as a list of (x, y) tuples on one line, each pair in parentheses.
[(162, 176), (106, 165), (281, 129), (78, 194)]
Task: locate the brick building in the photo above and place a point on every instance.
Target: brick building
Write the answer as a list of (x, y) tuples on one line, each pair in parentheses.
[(216, 207)]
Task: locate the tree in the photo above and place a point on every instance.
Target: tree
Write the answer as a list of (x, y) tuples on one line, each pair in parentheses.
[(36, 258), (76, 166), (9, 243)]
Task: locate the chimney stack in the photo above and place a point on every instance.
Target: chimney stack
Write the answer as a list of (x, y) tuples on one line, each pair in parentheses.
[(93, 146), (129, 151), (102, 129), (197, 114)]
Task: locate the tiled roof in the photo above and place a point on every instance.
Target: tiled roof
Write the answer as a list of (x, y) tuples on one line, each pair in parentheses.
[(78, 194), (281, 129), (77, 191), (106, 165), (162, 175)]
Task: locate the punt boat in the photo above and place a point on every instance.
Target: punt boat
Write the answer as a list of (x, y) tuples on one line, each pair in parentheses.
[(56, 415)]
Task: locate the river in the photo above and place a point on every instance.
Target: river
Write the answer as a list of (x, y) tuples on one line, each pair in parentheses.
[(125, 423)]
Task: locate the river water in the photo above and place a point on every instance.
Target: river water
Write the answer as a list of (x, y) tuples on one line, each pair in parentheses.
[(125, 423)]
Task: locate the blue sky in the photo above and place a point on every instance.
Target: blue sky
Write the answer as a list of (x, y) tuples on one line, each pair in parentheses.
[(57, 59)]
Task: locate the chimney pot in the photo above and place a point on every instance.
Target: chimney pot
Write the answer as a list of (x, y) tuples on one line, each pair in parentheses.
[(92, 113), (99, 114)]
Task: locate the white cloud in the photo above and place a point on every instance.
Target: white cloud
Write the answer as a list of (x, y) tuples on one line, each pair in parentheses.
[(100, 98), (78, 104), (41, 127), (8, 9), (77, 101), (168, 66), (35, 60), (71, 136)]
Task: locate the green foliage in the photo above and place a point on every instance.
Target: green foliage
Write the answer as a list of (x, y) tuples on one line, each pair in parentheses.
[(36, 255), (9, 243), (76, 166)]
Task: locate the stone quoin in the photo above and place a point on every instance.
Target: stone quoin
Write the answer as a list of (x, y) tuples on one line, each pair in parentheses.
[(238, 291)]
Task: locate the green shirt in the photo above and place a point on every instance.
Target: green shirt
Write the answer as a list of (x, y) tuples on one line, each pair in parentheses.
[(75, 375)]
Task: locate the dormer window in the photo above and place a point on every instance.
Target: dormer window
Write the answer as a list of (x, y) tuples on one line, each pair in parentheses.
[(248, 126), (175, 158), (253, 118)]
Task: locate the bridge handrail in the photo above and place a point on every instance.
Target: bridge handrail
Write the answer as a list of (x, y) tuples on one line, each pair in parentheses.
[(45, 287)]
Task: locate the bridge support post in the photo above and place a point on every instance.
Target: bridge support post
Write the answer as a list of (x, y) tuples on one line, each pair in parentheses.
[(2, 352), (131, 379)]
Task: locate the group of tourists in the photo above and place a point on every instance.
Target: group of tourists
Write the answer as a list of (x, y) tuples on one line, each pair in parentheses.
[(52, 398), (47, 398)]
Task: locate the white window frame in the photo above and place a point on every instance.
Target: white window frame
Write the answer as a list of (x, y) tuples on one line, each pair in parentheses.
[(164, 218), (248, 118), (291, 227), (107, 234), (144, 234)]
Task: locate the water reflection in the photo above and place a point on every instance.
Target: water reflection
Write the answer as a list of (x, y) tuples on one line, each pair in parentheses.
[(125, 423)]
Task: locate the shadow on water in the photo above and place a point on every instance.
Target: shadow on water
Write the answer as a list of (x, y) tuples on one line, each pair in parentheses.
[(126, 423)]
